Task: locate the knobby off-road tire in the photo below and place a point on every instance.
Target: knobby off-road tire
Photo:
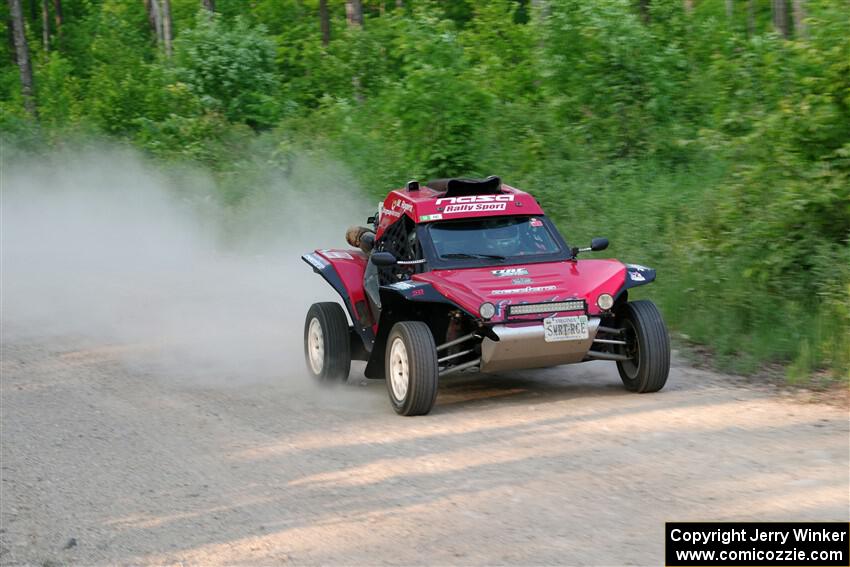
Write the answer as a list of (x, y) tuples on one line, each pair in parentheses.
[(649, 345), (327, 347), (411, 368)]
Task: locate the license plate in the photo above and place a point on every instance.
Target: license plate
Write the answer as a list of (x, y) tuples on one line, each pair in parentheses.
[(565, 328)]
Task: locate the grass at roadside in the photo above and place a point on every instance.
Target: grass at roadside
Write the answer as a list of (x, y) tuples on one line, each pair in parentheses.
[(658, 217)]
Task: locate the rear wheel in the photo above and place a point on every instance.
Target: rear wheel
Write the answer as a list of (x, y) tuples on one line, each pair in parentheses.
[(648, 347), (411, 367), (327, 347)]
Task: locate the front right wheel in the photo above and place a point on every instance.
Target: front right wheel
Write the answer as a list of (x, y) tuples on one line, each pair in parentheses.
[(647, 346), (411, 368)]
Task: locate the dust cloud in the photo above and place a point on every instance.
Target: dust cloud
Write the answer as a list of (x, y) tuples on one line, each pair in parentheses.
[(107, 248)]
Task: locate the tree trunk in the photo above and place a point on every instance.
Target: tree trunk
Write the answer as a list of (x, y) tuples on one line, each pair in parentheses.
[(730, 8), (780, 17), (751, 18), (155, 19), (688, 5), (57, 15), (149, 12), (208, 5), (325, 21), (354, 15), (10, 37), (799, 7), (166, 26), (643, 10), (354, 12), (540, 10), (45, 25), (23, 52)]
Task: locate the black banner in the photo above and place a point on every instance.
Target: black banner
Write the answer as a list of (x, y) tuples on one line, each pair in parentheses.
[(757, 544)]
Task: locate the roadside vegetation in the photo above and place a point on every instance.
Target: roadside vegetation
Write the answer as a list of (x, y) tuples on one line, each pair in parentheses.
[(709, 139)]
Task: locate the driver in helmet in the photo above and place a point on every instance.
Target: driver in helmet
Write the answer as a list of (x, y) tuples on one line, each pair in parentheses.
[(361, 237), (503, 240)]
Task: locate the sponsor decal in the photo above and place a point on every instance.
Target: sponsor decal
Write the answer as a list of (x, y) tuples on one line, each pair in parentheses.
[(403, 205), (402, 285), (337, 254), (475, 208), (637, 276), (528, 289), (416, 292), (638, 267), (476, 199), (520, 281), (390, 212), (536, 223), (426, 218), (316, 261), (509, 272)]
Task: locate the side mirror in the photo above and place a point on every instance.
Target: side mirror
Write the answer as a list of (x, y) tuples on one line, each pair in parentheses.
[(383, 259), (596, 245)]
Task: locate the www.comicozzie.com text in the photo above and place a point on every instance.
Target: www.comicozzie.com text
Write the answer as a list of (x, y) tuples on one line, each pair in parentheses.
[(726, 536)]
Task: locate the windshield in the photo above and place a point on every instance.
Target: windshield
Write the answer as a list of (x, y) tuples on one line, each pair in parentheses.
[(499, 238)]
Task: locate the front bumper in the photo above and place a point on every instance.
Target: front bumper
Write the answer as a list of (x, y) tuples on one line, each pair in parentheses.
[(523, 346)]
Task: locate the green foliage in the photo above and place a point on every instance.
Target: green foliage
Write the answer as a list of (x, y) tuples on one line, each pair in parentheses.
[(230, 68), (610, 75), (122, 83), (703, 144), (500, 52), (59, 92)]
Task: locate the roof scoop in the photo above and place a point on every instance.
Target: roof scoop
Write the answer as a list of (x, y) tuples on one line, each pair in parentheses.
[(463, 187)]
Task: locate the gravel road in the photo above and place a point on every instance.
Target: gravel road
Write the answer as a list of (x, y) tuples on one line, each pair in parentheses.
[(108, 462)]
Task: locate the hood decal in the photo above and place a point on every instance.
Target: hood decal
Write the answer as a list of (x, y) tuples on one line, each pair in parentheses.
[(506, 272), (527, 289)]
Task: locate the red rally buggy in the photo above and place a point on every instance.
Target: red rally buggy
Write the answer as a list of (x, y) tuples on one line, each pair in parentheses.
[(470, 275)]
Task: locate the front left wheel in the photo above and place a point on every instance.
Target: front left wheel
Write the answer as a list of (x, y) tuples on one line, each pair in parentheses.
[(411, 368), (327, 346)]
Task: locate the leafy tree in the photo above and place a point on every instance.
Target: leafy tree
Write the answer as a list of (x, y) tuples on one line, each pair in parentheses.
[(122, 82), (230, 67)]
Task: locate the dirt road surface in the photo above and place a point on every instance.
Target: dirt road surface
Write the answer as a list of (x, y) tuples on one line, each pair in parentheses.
[(105, 462)]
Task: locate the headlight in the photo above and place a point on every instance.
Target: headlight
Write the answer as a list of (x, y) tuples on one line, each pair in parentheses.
[(605, 302), (487, 310)]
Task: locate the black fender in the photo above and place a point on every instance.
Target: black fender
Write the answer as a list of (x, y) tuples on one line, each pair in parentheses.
[(636, 275), (407, 301), (329, 273)]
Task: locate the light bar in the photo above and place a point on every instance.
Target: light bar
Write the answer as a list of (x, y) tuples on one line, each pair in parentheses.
[(555, 306)]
